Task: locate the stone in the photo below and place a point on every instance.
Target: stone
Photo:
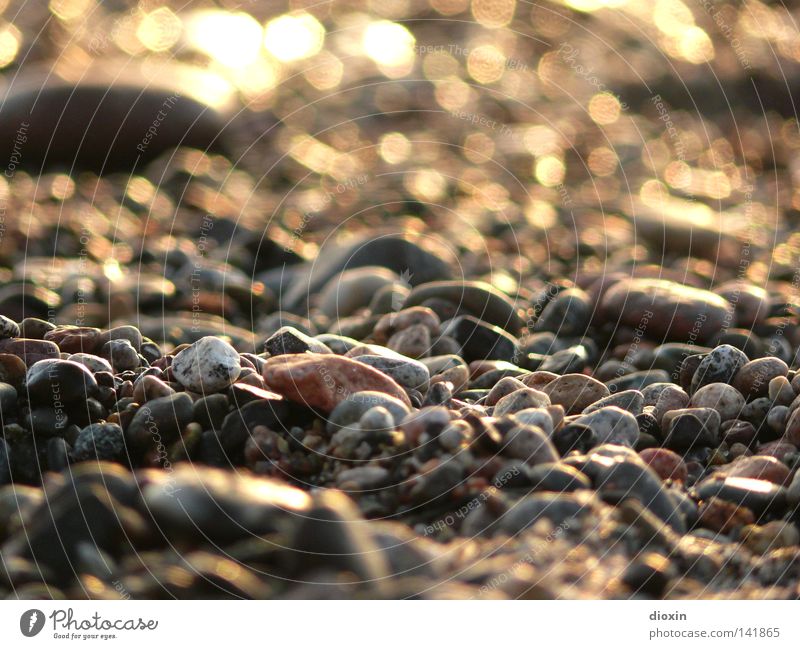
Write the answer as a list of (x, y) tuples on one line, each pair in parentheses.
[(723, 398), (557, 477), (481, 340), (630, 400), (667, 464), (761, 539), (99, 441), (575, 392), (722, 516), (29, 350), (93, 363), (413, 341), (393, 323), (54, 382), (407, 372), (753, 378), (758, 467), (289, 340), (220, 505), (574, 437), (356, 405), (669, 310), (479, 299), (530, 444), (760, 496), (148, 387), (8, 328), (718, 366), (207, 366), (121, 354), (353, 289), (691, 427), (321, 381), (568, 314), (611, 425), (160, 421), (117, 104), (520, 400)]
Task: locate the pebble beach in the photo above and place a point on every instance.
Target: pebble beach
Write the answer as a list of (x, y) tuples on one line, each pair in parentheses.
[(434, 299)]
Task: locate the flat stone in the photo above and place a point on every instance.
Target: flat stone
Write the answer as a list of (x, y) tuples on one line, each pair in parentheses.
[(355, 406), (160, 421), (666, 310), (530, 444), (49, 381), (321, 381), (758, 467), (29, 350), (667, 464), (480, 340), (353, 289), (760, 496), (479, 299)]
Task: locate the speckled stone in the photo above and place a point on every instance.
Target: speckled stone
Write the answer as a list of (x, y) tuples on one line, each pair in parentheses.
[(100, 441), (289, 340), (719, 366), (407, 372), (92, 362), (207, 366)]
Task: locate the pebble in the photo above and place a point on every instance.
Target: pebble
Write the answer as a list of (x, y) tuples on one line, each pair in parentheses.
[(575, 392), (676, 310), (351, 409), (93, 363), (691, 427), (760, 496), (8, 328), (289, 340), (611, 425), (100, 441), (753, 378), (480, 340), (758, 467), (207, 366), (407, 372), (63, 382), (480, 299), (321, 381), (353, 289), (718, 366), (160, 421), (521, 399), (30, 351), (723, 398), (630, 400), (667, 464), (557, 477), (761, 539), (530, 444)]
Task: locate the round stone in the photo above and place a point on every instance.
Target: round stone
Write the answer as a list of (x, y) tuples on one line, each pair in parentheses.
[(723, 398), (52, 381), (753, 378), (612, 425), (667, 464), (575, 392), (100, 441), (208, 365), (8, 328), (718, 366)]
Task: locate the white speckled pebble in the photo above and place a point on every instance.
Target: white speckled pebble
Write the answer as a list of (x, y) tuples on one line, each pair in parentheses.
[(209, 365)]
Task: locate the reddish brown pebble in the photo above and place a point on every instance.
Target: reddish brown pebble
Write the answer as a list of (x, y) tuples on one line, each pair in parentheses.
[(722, 516), (759, 467), (667, 464), (29, 350), (321, 381)]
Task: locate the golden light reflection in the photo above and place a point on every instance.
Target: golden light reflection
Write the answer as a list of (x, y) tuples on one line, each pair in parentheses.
[(427, 185), (493, 13), (324, 71), (486, 64), (602, 161), (449, 7), (695, 46), (9, 44), (549, 170), (232, 39), (388, 43), (594, 5), (294, 36), (604, 108), (672, 17), (159, 30), (394, 148), (69, 9)]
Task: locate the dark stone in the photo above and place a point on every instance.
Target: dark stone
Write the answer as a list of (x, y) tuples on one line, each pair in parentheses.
[(718, 366), (99, 441), (574, 437), (759, 496), (288, 340), (160, 420), (59, 383), (479, 340)]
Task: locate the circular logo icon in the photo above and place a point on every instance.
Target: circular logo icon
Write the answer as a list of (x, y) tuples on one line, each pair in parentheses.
[(31, 622)]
